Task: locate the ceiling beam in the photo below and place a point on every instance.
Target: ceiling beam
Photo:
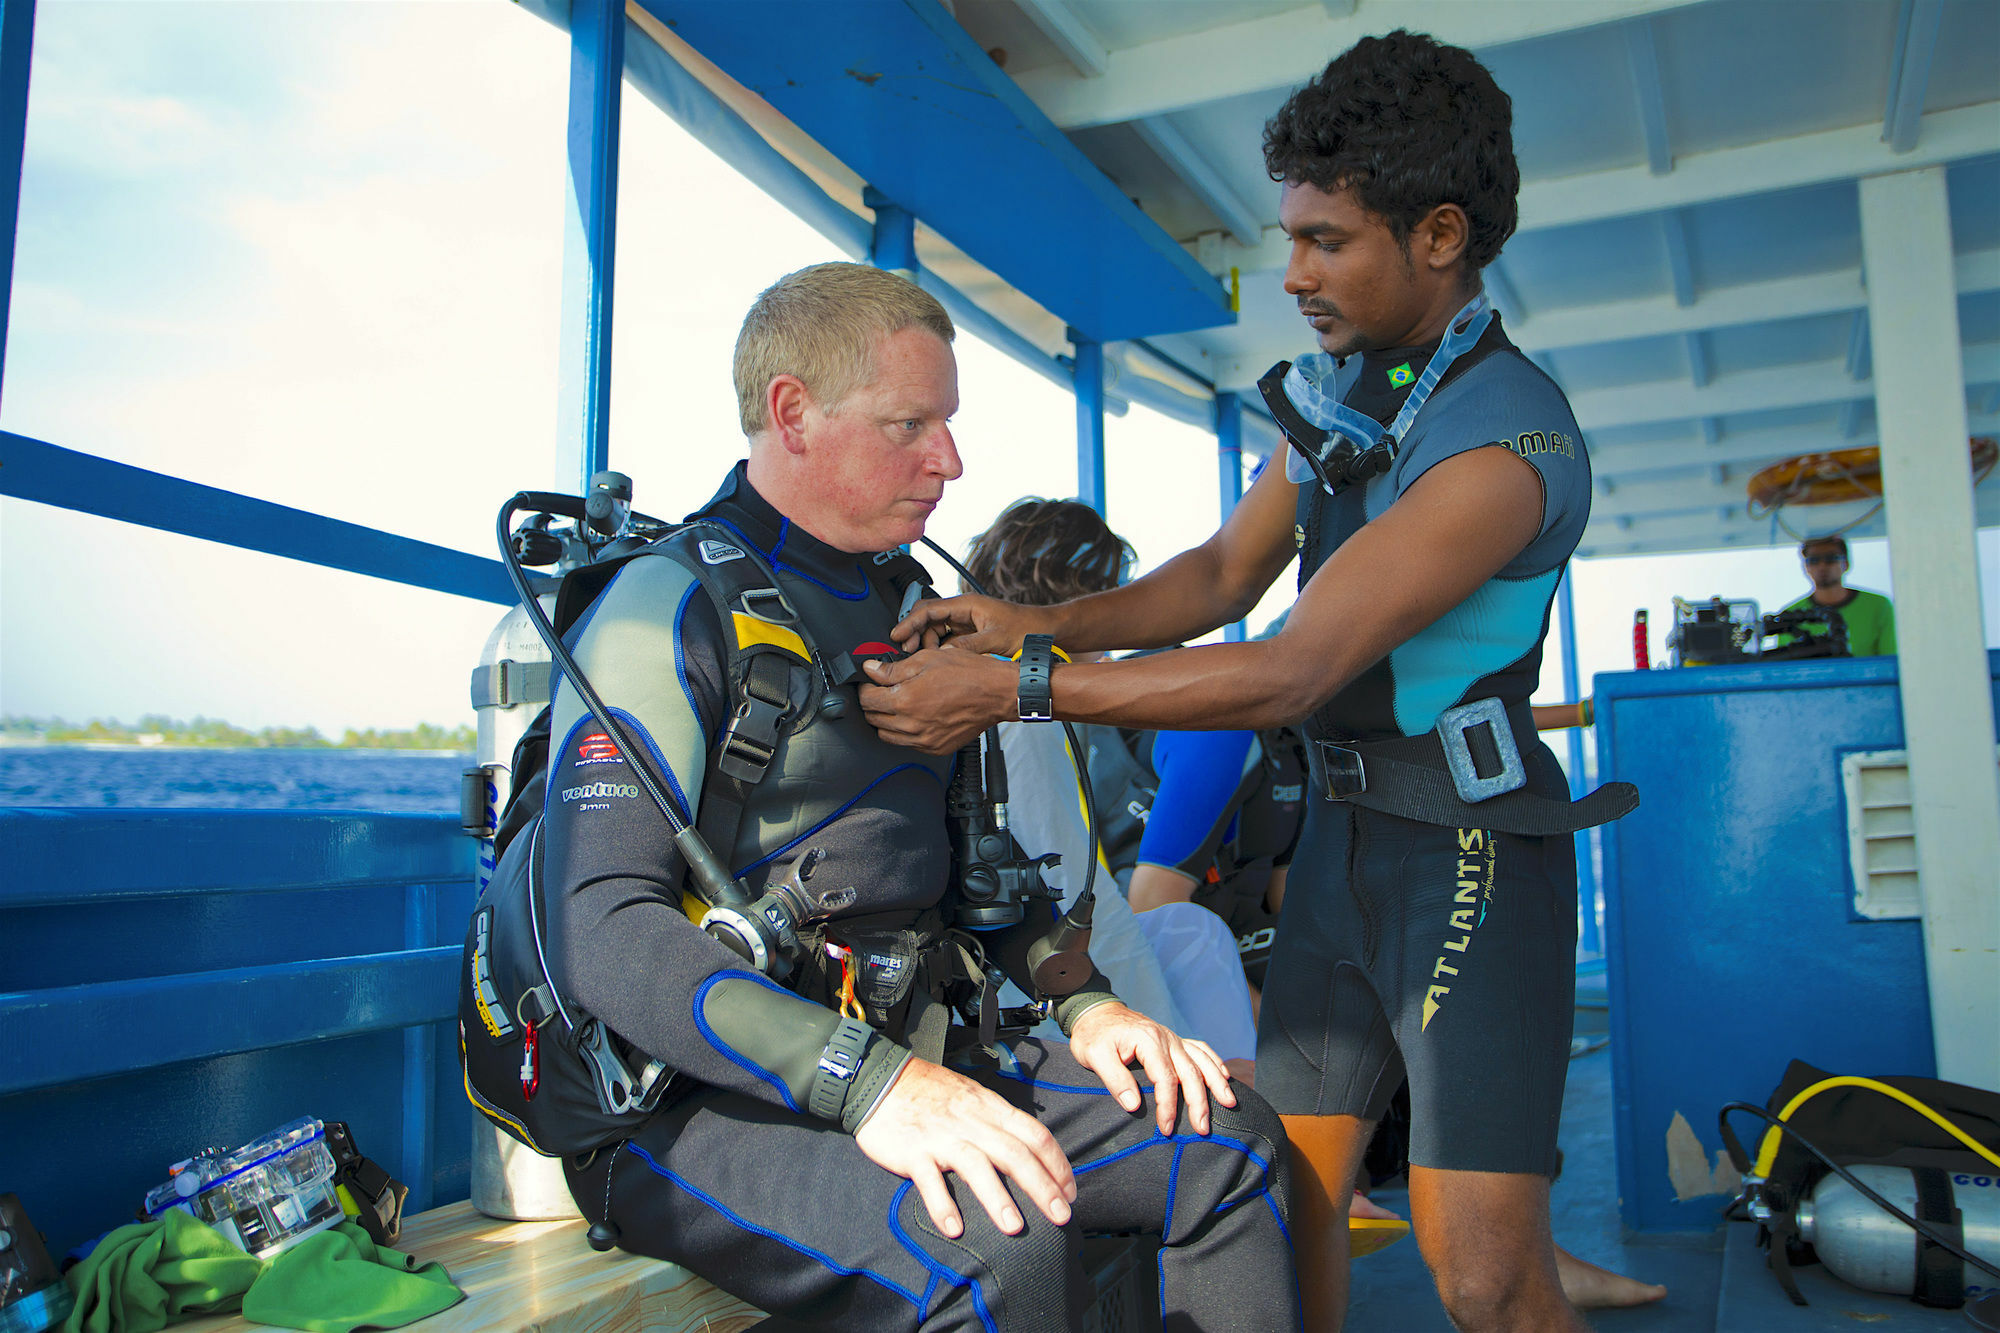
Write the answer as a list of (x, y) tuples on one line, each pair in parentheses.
[(1206, 182), (1500, 288), (1645, 57), (1680, 255), (1728, 307), (1810, 384), (1725, 173), (1667, 494), (1687, 452), (1977, 271), (1709, 530), (1284, 50), (1070, 35), (1700, 371), (1858, 360), (1917, 27)]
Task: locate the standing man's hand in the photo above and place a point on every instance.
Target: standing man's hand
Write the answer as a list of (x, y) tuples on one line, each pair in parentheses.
[(980, 624), (939, 699), (933, 1120), (1109, 1037)]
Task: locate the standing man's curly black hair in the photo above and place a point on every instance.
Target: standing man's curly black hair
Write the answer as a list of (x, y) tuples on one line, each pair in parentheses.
[(1407, 123)]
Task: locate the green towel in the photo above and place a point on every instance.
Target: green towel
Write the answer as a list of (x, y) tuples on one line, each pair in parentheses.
[(142, 1277), (340, 1280)]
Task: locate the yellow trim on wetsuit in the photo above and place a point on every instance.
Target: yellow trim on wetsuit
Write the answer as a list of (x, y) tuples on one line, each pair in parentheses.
[(749, 630)]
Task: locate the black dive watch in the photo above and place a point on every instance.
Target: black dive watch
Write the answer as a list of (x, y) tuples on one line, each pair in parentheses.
[(1034, 699), (838, 1064)]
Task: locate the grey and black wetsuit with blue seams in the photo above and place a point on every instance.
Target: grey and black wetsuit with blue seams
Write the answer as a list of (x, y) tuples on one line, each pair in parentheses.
[(734, 1176), (1409, 947)]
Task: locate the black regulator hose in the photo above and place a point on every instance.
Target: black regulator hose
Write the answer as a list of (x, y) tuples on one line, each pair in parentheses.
[(714, 883)]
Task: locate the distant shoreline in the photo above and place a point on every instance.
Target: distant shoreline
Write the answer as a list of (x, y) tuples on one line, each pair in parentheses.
[(37, 743)]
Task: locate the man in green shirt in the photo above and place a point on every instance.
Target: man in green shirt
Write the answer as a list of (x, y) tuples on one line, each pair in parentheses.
[(1871, 621)]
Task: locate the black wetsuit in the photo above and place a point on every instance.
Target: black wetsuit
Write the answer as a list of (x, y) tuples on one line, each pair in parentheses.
[(732, 1176), (1408, 946)]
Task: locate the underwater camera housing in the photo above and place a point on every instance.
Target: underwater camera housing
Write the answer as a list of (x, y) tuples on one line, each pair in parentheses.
[(265, 1196)]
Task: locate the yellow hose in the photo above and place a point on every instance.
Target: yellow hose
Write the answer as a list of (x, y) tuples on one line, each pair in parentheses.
[(1767, 1152)]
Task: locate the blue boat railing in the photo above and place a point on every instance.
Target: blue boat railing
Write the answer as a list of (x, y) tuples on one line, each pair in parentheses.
[(181, 979)]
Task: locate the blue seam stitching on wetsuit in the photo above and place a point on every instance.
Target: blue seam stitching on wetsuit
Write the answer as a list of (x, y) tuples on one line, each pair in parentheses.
[(723, 1047), (1238, 1144), (795, 571), (784, 1240), (1019, 1077), (680, 651), (938, 1268), (766, 860), (673, 783)]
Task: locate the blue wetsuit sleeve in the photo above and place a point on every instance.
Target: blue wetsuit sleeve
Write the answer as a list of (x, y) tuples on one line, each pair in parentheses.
[(1203, 777), (622, 947)]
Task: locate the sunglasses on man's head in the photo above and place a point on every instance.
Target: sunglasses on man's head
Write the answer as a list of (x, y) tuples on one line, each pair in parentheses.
[(1824, 559)]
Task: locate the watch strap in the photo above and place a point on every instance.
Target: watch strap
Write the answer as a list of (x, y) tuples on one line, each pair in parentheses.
[(1035, 697), (838, 1064)]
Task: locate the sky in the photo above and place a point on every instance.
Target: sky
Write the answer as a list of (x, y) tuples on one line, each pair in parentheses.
[(311, 253)]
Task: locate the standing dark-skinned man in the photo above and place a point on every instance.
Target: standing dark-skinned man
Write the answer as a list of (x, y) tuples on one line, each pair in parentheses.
[(1434, 488)]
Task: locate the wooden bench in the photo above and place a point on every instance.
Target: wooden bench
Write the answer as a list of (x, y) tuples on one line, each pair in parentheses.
[(542, 1277)]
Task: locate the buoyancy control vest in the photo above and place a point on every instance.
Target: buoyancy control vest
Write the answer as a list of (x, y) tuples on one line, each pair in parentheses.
[(1266, 810), (792, 758)]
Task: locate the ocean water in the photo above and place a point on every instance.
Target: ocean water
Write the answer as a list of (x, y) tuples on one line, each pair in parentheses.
[(266, 779)]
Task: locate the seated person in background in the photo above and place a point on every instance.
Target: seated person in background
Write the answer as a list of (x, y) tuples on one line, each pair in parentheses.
[(1167, 836), (818, 1141), (1871, 620)]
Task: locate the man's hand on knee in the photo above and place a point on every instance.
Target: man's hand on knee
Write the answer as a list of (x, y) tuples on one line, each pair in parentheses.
[(1108, 1038), (933, 1120)]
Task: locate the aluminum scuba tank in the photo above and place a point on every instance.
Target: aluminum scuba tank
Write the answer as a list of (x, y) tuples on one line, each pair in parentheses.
[(509, 687), (1866, 1247)]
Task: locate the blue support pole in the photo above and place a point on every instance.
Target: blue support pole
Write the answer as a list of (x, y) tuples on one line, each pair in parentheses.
[(894, 243), (1229, 461), (1089, 419), (17, 40), (1590, 938), (590, 231)]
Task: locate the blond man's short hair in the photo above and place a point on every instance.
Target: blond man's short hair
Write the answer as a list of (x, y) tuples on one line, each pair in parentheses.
[(821, 324)]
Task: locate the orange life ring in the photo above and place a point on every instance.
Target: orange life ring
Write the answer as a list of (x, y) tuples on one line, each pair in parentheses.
[(1840, 475)]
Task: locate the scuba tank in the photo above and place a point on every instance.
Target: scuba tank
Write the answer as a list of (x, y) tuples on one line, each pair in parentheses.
[(511, 685), (1867, 1248)]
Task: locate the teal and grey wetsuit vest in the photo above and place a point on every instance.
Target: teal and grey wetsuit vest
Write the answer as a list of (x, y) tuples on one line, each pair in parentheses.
[(613, 929), (1489, 645)]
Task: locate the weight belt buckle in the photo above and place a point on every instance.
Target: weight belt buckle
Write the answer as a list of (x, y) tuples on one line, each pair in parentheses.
[(1456, 727), (1340, 771)]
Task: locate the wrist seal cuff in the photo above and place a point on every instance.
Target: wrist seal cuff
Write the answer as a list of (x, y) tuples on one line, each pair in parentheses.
[(884, 1062)]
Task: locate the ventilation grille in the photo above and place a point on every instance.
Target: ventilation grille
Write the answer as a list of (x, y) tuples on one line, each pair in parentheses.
[(1881, 835)]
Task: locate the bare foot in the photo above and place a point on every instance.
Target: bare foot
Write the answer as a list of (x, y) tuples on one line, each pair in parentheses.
[(1589, 1287), (1363, 1206)]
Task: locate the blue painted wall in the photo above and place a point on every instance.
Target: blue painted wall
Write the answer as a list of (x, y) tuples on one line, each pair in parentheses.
[(1733, 946), (183, 979)]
